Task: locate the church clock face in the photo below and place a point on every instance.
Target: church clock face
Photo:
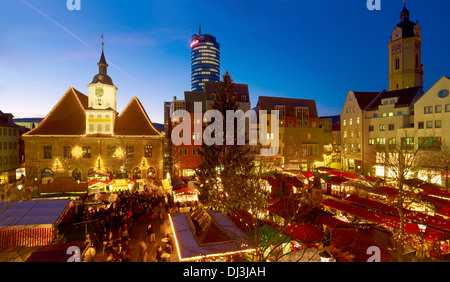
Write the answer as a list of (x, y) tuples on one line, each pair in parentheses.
[(396, 49), (99, 92)]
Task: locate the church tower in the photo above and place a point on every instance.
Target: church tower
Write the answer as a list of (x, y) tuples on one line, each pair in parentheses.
[(102, 101), (405, 66)]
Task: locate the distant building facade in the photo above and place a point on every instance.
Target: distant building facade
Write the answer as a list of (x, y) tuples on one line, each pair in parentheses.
[(302, 141), (184, 159), (9, 148)]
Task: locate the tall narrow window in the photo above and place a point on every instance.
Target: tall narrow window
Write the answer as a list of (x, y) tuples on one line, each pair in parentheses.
[(67, 152), (47, 152), (397, 64), (87, 152), (130, 151), (148, 151)]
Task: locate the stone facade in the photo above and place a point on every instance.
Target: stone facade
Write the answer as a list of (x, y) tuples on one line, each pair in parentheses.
[(68, 156)]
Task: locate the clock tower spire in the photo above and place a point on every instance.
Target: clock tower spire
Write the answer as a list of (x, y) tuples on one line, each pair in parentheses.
[(405, 64), (102, 100)]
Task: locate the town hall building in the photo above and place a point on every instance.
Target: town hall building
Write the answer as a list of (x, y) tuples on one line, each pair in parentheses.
[(84, 135)]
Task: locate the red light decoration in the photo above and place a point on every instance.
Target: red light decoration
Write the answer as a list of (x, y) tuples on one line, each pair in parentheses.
[(194, 42)]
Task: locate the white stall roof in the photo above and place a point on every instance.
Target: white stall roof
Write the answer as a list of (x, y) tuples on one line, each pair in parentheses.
[(31, 212)]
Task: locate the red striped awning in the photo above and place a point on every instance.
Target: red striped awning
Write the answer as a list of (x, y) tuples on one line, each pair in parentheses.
[(25, 236)]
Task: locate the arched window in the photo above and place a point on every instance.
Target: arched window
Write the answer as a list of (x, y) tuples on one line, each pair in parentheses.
[(47, 175), (151, 173)]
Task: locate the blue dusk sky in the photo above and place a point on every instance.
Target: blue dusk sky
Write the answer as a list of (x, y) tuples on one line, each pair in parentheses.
[(317, 50)]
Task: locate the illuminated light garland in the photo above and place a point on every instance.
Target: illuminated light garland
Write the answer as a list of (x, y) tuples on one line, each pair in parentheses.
[(99, 165), (144, 163), (57, 166), (119, 153), (77, 152)]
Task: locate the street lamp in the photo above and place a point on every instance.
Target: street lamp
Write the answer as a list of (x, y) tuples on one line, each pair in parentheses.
[(422, 228), (20, 192)]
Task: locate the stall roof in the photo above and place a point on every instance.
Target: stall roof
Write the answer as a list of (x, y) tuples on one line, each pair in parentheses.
[(414, 216), (389, 221), (436, 192), (55, 253), (353, 241), (330, 221), (189, 247), (32, 212), (304, 232), (344, 174)]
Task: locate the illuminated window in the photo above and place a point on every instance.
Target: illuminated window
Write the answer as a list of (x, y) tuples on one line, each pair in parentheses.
[(111, 151), (86, 152), (130, 151), (430, 143), (148, 151)]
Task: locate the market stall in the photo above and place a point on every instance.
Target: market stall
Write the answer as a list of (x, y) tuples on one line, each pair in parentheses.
[(204, 235), (30, 223), (185, 196), (96, 186)]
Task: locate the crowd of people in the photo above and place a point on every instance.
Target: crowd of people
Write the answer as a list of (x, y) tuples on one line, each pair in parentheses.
[(112, 224)]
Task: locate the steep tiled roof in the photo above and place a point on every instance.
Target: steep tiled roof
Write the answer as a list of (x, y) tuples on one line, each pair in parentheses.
[(134, 121), (66, 118), (364, 98), (405, 97)]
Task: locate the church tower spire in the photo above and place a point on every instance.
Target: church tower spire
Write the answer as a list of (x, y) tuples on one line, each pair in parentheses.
[(405, 63), (102, 65), (102, 75), (102, 100)]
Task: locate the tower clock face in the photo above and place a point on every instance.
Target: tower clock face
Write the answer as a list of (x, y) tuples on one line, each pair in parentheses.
[(99, 92), (396, 49)]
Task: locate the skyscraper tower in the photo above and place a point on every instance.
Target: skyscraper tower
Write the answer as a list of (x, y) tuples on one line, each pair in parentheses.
[(205, 60)]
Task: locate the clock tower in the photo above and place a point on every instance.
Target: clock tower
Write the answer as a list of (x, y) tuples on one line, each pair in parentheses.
[(102, 101), (405, 66)]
